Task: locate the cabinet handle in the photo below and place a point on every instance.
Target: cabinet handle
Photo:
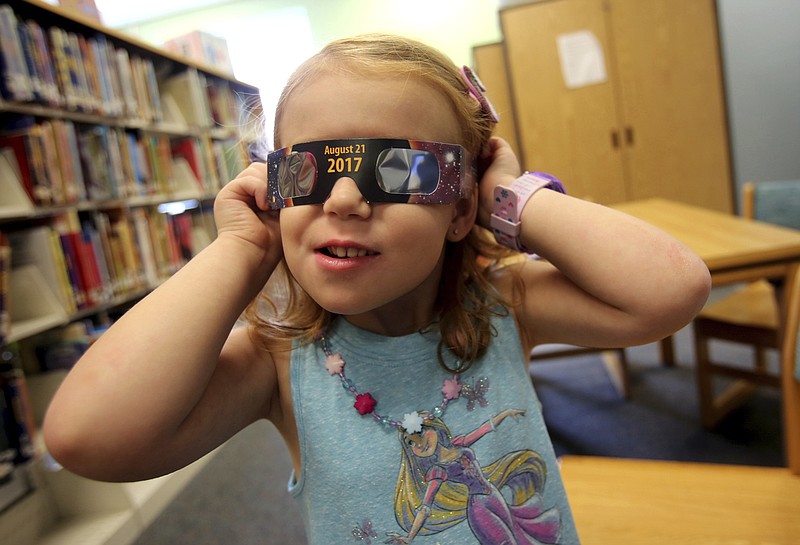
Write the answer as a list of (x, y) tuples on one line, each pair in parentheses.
[(614, 139), (629, 136)]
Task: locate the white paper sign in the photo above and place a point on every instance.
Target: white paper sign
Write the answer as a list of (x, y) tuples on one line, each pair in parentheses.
[(582, 59)]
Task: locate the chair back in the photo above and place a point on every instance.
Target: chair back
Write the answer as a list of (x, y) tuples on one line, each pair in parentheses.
[(776, 202), (790, 365)]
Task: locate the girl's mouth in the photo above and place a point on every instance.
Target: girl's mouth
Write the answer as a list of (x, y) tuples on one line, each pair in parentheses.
[(346, 252)]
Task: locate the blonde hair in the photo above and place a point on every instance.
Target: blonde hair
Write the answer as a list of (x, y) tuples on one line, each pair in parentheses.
[(466, 300)]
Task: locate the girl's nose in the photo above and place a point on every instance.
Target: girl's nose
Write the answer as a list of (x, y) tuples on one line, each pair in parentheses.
[(346, 200)]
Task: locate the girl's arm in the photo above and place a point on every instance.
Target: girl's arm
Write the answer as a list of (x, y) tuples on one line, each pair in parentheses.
[(422, 515), (487, 427), (168, 382), (606, 279)]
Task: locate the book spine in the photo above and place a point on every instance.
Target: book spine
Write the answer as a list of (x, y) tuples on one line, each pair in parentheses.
[(18, 421), (15, 82), (5, 271)]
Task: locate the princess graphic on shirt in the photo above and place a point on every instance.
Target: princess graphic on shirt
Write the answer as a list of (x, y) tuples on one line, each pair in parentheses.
[(441, 483)]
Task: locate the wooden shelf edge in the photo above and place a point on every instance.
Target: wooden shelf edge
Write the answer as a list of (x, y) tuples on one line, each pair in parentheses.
[(148, 499)]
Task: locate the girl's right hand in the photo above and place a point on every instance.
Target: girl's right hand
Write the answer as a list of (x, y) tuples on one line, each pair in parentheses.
[(241, 210)]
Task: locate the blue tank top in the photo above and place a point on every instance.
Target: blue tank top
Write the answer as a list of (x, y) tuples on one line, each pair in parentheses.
[(483, 473)]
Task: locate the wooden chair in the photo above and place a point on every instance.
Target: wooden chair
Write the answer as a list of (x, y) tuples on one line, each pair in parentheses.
[(790, 374), (750, 315), (615, 361)]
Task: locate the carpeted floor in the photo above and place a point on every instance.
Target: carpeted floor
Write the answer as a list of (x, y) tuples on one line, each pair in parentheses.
[(240, 498)]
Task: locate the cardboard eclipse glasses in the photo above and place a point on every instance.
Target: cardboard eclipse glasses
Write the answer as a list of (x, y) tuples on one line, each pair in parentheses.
[(385, 171)]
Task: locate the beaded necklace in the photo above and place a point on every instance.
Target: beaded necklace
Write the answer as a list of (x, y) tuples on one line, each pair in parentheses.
[(452, 388)]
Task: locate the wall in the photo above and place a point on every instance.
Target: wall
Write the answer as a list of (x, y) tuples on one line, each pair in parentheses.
[(760, 49), (761, 55), (268, 39)]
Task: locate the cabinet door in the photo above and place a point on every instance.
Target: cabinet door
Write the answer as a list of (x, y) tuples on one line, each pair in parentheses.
[(671, 95), (570, 132), (489, 61)]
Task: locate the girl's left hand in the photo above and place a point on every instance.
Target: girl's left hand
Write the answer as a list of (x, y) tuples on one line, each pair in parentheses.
[(499, 166)]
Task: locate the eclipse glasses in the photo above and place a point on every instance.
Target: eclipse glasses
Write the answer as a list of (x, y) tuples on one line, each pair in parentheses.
[(385, 171)]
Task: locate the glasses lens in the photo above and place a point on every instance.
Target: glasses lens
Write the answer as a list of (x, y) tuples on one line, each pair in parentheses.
[(297, 174), (407, 171)]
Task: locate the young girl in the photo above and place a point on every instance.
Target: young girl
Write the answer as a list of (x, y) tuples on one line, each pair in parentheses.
[(393, 359)]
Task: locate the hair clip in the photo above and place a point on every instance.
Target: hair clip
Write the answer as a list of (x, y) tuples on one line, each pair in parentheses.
[(478, 92)]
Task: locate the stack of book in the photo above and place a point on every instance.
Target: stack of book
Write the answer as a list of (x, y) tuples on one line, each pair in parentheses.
[(63, 69), (91, 262), (202, 47)]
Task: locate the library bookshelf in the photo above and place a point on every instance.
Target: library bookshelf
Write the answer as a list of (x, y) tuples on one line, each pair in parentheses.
[(111, 152)]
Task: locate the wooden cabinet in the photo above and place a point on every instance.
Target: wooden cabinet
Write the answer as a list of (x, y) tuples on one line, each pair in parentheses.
[(488, 60), (111, 152), (648, 119)]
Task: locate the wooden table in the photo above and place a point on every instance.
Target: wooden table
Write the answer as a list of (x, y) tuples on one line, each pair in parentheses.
[(646, 502), (735, 249)]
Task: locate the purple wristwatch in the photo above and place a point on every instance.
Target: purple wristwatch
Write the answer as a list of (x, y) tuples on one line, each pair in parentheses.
[(509, 202)]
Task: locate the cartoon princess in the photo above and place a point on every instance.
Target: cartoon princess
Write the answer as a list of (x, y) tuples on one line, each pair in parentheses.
[(441, 483)]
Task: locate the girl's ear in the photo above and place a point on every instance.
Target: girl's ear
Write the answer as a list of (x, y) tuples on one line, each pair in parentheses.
[(464, 214)]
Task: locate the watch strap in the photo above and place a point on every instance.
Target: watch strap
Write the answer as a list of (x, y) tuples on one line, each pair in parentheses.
[(510, 201)]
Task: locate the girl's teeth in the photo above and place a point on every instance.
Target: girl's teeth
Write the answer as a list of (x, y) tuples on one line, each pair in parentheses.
[(340, 251)]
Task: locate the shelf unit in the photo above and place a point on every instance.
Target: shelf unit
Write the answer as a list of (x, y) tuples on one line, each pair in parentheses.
[(102, 137)]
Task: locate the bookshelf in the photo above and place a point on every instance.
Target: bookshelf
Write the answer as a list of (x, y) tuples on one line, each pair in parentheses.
[(111, 152)]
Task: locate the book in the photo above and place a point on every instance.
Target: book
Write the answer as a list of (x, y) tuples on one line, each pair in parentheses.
[(28, 47), (66, 145), (90, 66), (15, 140), (101, 273), (96, 161), (17, 421), (59, 53), (191, 150), (186, 89), (51, 94), (52, 171), (5, 269), (130, 96), (78, 242), (111, 90), (203, 48), (142, 228), (112, 266), (35, 152), (126, 252), (15, 81), (67, 227), (77, 71), (35, 247), (61, 348), (14, 199), (87, 8)]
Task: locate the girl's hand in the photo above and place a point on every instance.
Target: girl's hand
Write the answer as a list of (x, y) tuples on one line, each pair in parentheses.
[(241, 210), (499, 166)]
